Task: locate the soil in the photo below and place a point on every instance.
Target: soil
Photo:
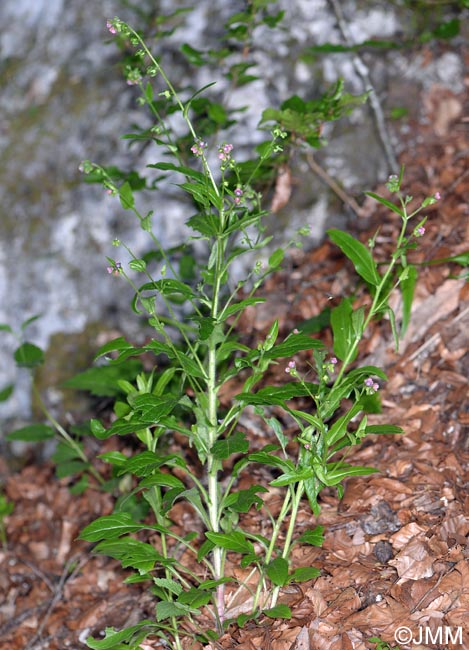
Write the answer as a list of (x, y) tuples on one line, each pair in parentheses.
[(396, 545)]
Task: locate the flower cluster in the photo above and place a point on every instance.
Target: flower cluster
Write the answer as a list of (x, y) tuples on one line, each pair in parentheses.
[(115, 269), (291, 369), (133, 77), (111, 26), (393, 184), (238, 195), (371, 386), (198, 148), (224, 152)]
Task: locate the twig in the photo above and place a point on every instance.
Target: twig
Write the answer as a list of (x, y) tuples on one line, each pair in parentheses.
[(335, 187), (58, 591), (375, 103)]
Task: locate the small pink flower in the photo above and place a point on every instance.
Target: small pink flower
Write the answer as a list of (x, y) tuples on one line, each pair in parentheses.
[(437, 196), (111, 27), (296, 331), (291, 368), (369, 382), (333, 360), (421, 231), (115, 270), (238, 192), (198, 148)]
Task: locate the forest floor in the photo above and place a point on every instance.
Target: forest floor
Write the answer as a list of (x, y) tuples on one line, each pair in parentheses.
[(396, 545)]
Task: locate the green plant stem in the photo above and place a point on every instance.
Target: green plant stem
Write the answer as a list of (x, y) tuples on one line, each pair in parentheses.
[(375, 305), (299, 491), (275, 533), (164, 550), (66, 436), (212, 463)]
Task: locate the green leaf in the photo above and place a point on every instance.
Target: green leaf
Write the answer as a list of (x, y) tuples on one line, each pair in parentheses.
[(110, 527), (448, 29), (277, 395), (243, 500), (28, 355), (32, 433), (386, 429), (342, 328), (195, 597), (126, 196), (407, 287), (293, 344), (6, 392), (277, 571), (279, 611), (166, 609), (154, 407), (195, 57), (388, 204), (162, 479), (339, 429), (120, 345), (103, 381), (302, 574), (170, 585), (5, 328), (115, 458), (288, 478), (358, 254), (276, 258), (314, 537), (337, 472), (235, 444), (235, 541), (190, 367), (121, 427), (70, 468), (187, 171), (142, 464), (128, 550), (138, 265), (29, 320), (241, 306), (116, 639)]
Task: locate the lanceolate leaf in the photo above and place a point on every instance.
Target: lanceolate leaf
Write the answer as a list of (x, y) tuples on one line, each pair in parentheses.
[(292, 345), (279, 611), (110, 527), (407, 286), (304, 573), (358, 254), (235, 541), (314, 537), (116, 639), (235, 444), (388, 204), (342, 328), (32, 433)]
